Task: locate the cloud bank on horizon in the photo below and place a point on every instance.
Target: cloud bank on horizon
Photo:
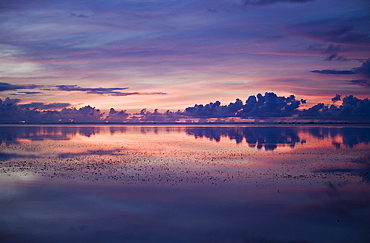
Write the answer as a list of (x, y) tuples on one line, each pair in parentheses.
[(268, 106), (173, 54)]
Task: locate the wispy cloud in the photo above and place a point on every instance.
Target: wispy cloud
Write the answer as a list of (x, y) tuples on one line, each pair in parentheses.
[(79, 15), (138, 93), (270, 2), (102, 91), (329, 71), (92, 90)]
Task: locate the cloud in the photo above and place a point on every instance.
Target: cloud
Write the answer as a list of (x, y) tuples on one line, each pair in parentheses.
[(353, 108), (92, 90), (270, 2), (330, 71), (7, 86), (43, 106), (363, 71), (345, 35), (268, 105), (260, 106), (72, 14), (362, 82), (336, 98), (333, 51), (34, 92), (137, 93), (101, 91)]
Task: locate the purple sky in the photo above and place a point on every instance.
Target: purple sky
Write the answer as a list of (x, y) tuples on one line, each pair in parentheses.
[(173, 54)]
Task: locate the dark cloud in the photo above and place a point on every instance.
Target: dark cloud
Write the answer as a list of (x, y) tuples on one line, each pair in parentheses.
[(72, 14), (270, 2), (42, 106), (29, 92), (333, 51), (102, 91), (7, 86), (268, 105), (334, 31), (9, 102), (345, 35), (335, 57), (364, 69), (137, 93), (91, 90), (329, 71), (336, 98), (352, 108), (256, 106), (11, 112), (362, 82)]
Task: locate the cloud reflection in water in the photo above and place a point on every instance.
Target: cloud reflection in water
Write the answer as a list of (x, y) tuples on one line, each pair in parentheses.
[(161, 184)]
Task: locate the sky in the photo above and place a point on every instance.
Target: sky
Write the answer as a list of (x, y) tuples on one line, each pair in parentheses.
[(174, 54)]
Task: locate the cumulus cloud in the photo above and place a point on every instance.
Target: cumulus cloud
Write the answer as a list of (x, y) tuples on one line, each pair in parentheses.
[(257, 106), (336, 98), (352, 108), (9, 102), (268, 105), (12, 112)]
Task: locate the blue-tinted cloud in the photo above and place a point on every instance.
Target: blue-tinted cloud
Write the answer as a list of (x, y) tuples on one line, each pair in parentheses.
[(329, 71), (43, 106), (363, 71), (137, 93), (361, 82), (77, 88), (270, 2), (109, 91), (7, 86)]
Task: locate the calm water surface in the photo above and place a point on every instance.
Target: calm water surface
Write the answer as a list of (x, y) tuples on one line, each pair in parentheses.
[(184, 184)]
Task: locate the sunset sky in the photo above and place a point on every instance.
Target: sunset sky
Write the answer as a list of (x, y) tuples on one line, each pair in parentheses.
[(173, 54)]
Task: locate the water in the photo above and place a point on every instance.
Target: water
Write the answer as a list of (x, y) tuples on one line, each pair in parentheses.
[(184, 184)]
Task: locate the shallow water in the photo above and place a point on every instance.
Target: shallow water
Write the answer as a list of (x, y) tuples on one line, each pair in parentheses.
[(184, 183)]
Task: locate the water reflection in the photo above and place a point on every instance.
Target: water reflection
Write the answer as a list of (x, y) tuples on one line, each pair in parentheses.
[(184, 184), (259, 137), (268, 138)]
